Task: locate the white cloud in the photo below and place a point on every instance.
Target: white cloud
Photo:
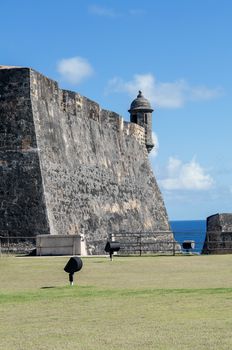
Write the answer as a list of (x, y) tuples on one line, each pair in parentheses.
[(112, 13), (103, 11), (74, 70), (137, 12), (155, 149), (162, 94), (186, 176)]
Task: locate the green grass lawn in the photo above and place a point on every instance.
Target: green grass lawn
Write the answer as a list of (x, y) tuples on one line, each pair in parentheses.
[(181, 302)]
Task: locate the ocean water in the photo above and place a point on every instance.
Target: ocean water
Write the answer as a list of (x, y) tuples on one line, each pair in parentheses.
[(190, 230)]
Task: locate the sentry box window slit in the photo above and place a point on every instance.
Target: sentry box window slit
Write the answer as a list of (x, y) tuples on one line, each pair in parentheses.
[(74, 265)]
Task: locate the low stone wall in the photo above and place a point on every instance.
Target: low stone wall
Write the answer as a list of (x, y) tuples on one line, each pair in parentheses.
[(58, 245)]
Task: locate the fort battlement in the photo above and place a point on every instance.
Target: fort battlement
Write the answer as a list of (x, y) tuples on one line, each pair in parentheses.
[(69, 167), (74, 104)]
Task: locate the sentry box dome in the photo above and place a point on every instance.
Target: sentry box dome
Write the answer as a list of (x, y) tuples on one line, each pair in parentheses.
[(74, 265)]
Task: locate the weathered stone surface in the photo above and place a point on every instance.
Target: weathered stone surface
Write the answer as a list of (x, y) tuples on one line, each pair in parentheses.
[(22, 206), (69, 167), (219, 234), (58, 245)]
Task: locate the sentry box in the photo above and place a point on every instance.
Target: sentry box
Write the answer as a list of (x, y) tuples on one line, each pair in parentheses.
[(112, 247), (74, 264)]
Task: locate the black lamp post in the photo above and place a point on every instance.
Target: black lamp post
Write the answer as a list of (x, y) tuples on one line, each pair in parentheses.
[(73, 265), (111, 247)]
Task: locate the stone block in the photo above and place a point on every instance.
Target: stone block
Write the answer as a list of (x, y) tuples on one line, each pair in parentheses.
[(58, 245)]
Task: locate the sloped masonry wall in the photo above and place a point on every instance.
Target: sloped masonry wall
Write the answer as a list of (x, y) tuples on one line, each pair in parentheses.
[(22, 206), (92, 173)]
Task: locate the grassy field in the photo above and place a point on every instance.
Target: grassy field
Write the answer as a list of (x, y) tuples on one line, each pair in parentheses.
[(131, 303)]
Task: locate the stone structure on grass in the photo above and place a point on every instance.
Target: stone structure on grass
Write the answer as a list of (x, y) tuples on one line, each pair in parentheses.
[(68, 167), (219, 234)]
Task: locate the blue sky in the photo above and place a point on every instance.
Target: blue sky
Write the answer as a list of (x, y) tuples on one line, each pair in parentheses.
[(178, 52)]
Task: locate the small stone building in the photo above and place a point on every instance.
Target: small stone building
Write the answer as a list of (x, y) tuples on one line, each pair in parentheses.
[(219, 234)]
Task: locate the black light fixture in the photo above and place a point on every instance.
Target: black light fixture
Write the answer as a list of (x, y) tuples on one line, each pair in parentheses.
[(188, 245), (111, 247), (73, 265)]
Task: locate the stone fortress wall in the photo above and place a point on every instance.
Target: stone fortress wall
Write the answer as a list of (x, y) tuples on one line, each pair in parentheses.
[(69, 167)]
